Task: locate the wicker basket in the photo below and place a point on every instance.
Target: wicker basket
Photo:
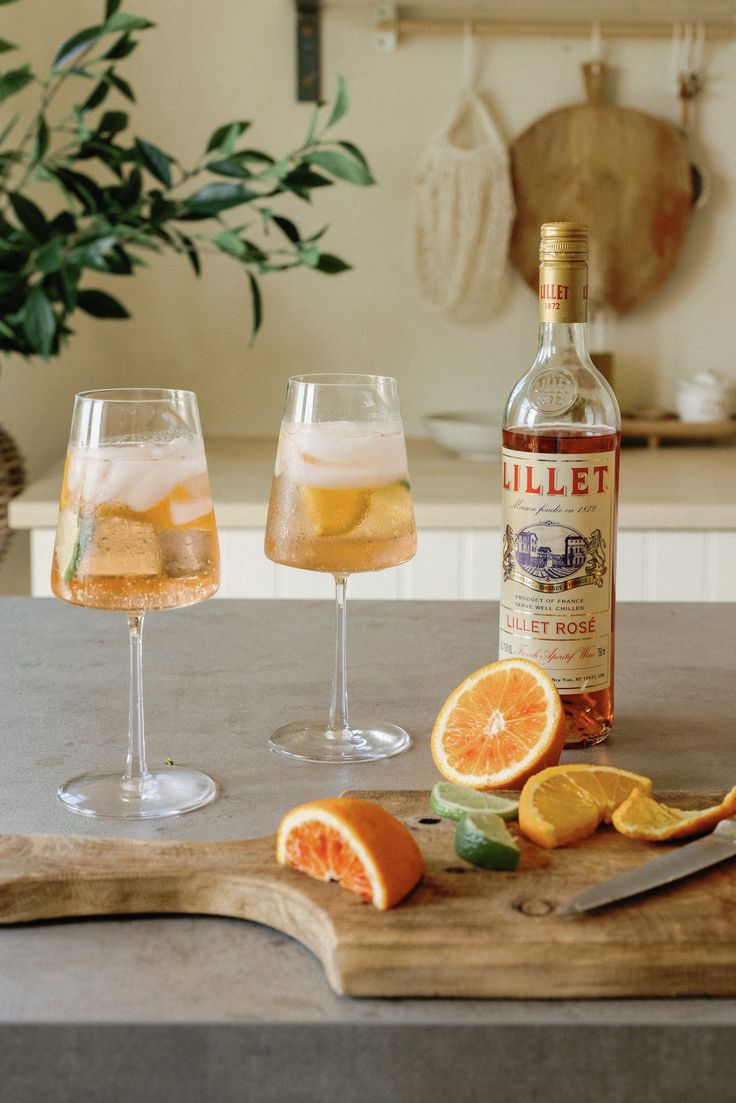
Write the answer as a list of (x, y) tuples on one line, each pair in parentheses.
[(12, 481)]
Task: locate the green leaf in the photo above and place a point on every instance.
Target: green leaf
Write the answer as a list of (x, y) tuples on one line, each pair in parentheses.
[(122, 85), (50, 256), (228, 242), (39, 322), (9, 280), (98, 94), (309, 255), (219, 197), (287, 227), (95, 254), (111, 6), (313, 126), (340, 166), (121, 21), (230, 166), (74, 46), (15, 80), (341, 104), (157, 162), (82, 187), (8, 127), (224, 138), (331, 264), (40, 141), (277, 170), (5, 46), (111, 123), (302, 180), (255, 294), (130, 190), (101, 305), (30, 216), (63, 223), (356, 153), (191, 252), (123, 47)]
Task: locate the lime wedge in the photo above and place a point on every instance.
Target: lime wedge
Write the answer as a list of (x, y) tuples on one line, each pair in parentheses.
[(451, 801), (482, 839), (73, 535)]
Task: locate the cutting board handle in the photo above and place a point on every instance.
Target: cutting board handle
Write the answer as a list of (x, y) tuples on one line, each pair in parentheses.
[(594, 75), (56, 876)]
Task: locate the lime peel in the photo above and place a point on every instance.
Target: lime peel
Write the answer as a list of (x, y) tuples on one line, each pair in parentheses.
[(482, 839), (451, 801)]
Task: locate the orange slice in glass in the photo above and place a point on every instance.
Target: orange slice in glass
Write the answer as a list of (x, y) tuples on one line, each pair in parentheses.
[(563, 804), (500, 726), (335, 512), (640, 817), (355, 842)]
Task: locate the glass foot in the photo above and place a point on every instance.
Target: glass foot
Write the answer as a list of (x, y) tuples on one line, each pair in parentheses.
[(167, 792), (314, 742)]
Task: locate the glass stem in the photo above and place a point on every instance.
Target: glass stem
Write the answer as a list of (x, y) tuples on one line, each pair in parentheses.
[(135, 766), (339, 726)]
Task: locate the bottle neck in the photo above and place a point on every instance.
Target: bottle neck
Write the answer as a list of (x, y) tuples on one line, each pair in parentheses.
[(563, 341)]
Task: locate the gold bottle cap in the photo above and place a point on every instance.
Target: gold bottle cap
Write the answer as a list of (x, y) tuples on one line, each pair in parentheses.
[(563, 241)]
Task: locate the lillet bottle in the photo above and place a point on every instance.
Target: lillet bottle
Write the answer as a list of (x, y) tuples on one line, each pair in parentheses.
[(560, 463)]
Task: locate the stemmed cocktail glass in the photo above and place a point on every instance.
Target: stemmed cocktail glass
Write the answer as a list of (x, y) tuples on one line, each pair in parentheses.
[(341, 502), (136, 531)]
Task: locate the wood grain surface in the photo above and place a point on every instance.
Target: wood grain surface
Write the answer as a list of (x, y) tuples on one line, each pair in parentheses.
[(462, 932), (623, 172)]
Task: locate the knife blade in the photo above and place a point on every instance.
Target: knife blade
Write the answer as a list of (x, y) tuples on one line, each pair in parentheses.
[(687, 859)]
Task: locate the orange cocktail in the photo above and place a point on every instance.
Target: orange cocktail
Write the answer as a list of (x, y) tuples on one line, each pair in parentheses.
[(136, 527), (341, 500)]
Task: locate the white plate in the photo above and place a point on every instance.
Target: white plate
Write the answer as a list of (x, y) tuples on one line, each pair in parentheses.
[(475, 436)]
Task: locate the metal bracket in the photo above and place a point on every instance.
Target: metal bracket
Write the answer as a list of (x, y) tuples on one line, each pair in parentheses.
[(308, 79)]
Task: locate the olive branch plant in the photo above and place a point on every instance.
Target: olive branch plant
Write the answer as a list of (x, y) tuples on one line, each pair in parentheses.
[(121, 197)]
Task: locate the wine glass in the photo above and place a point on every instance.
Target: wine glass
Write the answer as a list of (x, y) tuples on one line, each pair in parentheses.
[(340, 502), (136, 531)]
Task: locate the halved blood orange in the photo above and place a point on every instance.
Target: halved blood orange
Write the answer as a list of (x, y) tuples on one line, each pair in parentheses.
[(640, 817), (500, 726), (355, 842), (563, 804)]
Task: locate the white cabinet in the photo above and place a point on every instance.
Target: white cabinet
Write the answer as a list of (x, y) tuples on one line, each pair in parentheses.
[(662, 565)]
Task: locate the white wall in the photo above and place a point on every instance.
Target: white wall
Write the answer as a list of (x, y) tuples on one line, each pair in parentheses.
[(206, 64)]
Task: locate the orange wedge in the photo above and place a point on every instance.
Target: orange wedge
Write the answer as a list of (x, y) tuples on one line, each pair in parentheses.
[(640, 817), (501, 725), (565, 803), (355, 842)]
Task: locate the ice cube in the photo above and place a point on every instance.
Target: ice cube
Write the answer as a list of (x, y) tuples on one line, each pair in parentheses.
[(186, 553), (122, 547), (183, 513)]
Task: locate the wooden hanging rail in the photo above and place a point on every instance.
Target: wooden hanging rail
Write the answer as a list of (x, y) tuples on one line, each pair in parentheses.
[(403, 26)]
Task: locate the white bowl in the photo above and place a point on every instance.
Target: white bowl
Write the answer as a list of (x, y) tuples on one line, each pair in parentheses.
[(475, 436)]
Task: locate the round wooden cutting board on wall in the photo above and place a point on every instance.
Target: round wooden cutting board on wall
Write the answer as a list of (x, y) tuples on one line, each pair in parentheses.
[(625, 173)]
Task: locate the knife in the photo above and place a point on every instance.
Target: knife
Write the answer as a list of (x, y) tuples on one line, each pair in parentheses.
[(690, 858)]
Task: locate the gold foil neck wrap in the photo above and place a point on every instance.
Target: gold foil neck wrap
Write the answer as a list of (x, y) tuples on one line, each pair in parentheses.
[(563, 272), (563, 241)]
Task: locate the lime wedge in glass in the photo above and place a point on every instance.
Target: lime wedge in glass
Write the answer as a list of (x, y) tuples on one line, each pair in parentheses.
[(483, 839), (451, 801)]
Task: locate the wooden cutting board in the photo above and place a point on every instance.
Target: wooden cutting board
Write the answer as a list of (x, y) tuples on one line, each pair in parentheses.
[(462, 932), (625, 173)]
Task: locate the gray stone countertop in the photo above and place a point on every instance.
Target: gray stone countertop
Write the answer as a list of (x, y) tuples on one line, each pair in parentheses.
[(216, 1010)]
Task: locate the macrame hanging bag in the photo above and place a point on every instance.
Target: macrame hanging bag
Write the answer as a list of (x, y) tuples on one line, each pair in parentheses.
[(463, 210)]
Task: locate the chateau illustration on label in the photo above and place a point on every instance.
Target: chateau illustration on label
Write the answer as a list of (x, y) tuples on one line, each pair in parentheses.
[(551, 557)]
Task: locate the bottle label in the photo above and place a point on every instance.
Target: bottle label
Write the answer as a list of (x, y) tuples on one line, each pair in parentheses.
[(556, 591), (563, 292)]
